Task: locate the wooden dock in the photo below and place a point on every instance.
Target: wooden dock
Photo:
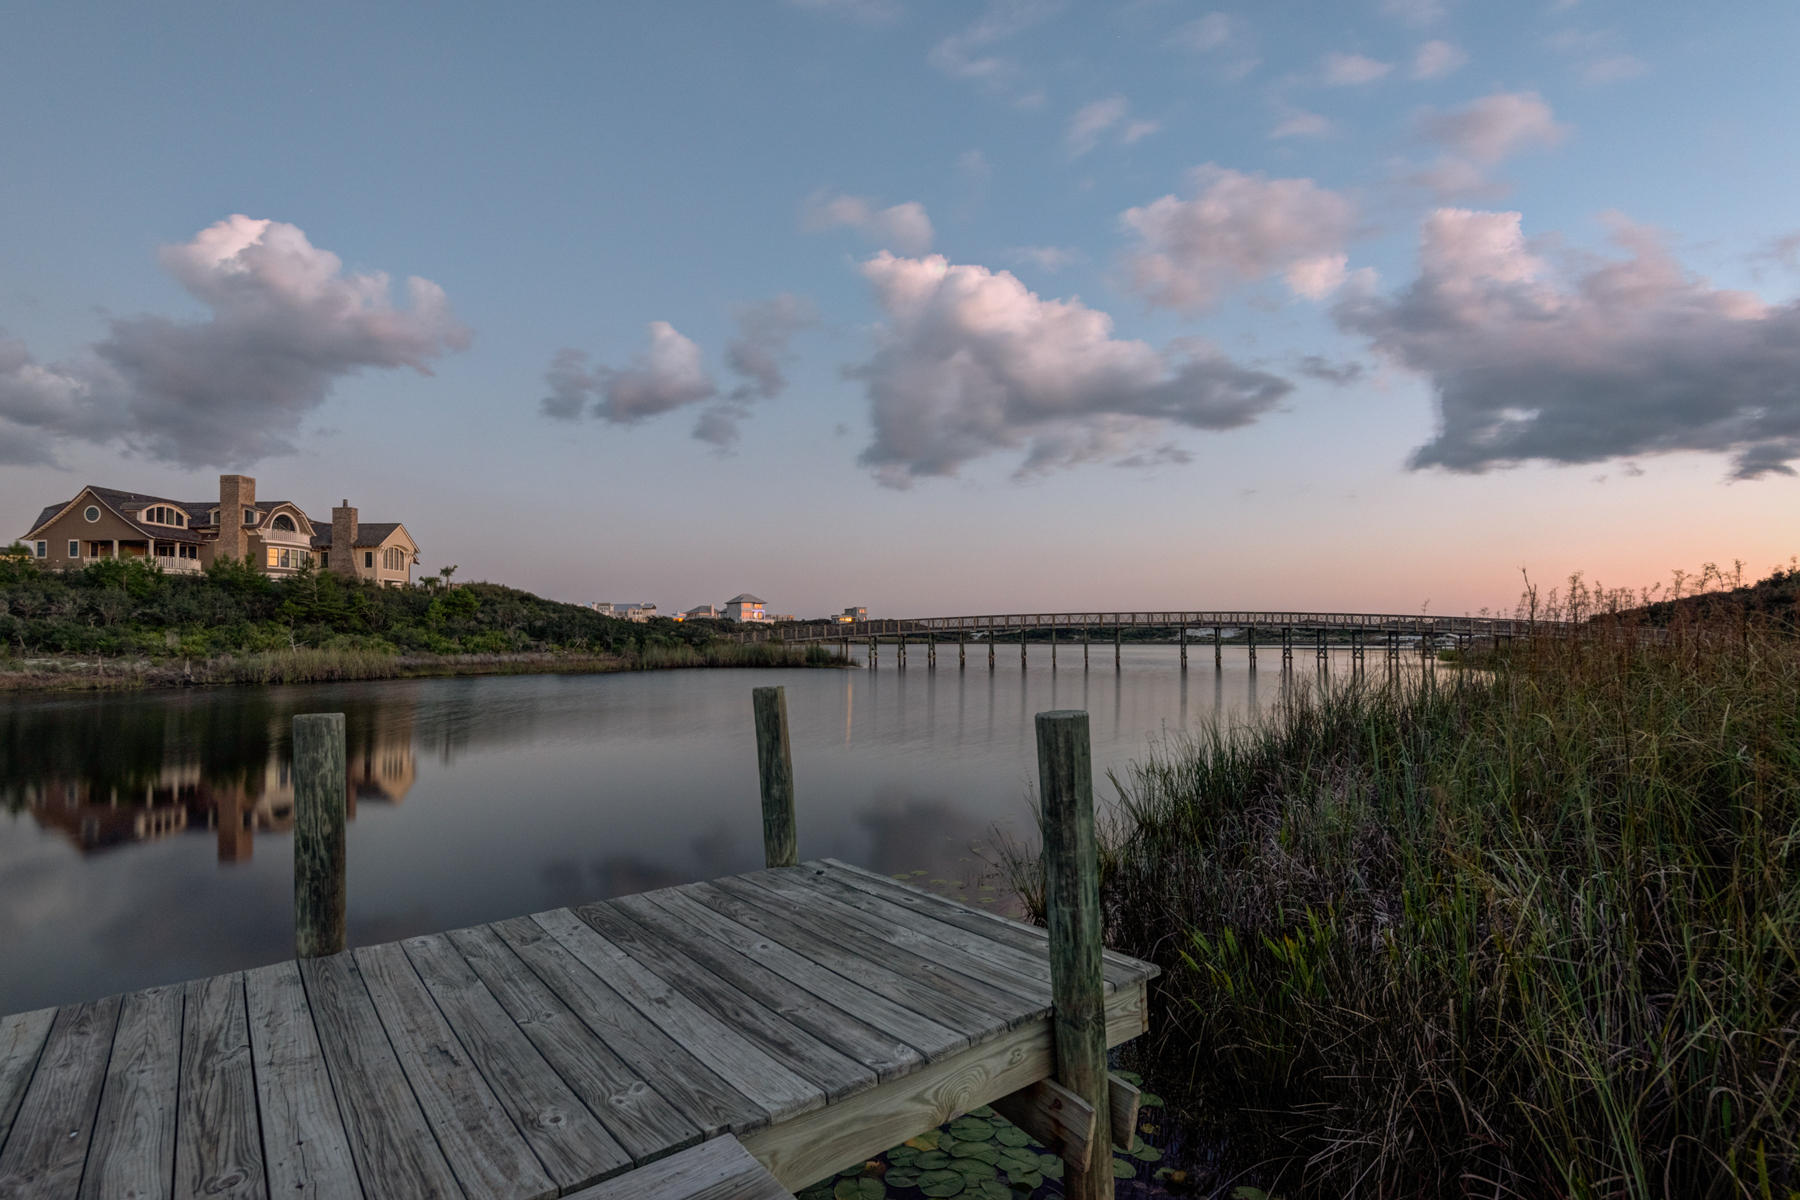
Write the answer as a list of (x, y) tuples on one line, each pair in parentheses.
[(737, 1038), (821, 1014)]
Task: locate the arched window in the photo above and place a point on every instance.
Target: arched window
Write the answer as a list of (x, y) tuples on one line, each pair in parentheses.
[(393, 559), (283, 524)]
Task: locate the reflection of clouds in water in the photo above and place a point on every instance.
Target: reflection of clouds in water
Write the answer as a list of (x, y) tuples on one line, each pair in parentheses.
[(567, 880), (909, 831)]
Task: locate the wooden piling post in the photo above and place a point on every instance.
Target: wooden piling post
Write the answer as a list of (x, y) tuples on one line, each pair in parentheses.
[(990, 641), (1087, 636), (320, 806), (1072, 909), (775, 769), (1218, 648), (872, 653), (962, 651), (1115, 645), (1053, 647), (1183, 640), (1250, 641), (1021, 647)]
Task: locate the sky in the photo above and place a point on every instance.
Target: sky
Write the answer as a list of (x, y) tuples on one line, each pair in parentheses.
[(935, 308)]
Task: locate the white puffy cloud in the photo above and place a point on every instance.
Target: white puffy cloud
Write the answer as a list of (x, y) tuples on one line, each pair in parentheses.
[(969, 362), (287, 322), (1237, 228), (1436, 59), (1495, 127), (905, 227), (1587, 361), (1350, 70)]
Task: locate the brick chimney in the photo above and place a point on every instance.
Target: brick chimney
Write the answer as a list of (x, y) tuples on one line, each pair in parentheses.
[(236, 493), (343, 539)]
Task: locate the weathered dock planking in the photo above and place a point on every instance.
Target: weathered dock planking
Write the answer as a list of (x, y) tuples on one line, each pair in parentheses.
[(738, 1038), (819, 1013)]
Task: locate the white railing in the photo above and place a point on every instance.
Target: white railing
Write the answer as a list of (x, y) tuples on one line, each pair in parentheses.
[(179, 566)]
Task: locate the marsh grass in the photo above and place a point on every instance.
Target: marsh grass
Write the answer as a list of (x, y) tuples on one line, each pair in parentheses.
[(335, 664), (1529, 933)]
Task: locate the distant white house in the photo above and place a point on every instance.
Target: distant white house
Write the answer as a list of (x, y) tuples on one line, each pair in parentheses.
[(745, 607), (851, 615), (624, 611)]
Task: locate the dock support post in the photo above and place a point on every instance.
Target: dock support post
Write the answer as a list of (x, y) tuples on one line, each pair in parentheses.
[(1183, 645), (990, 641), (1115, 645), (1250, 641), (321, 796), (1087, 637), (775, 770), (962, 651), (1053, 647), (1321, 633), (872, 653), (1021, 647), (1072, 909), (931, 652), (1218, 648)]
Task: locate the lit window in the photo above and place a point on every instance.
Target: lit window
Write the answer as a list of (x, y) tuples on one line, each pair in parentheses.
[(92, 513), (74, 548), (274, 557), (284, 523)]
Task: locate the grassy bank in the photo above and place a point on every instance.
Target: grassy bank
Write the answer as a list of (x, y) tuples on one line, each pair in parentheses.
[(337, 665), (1535, 934)]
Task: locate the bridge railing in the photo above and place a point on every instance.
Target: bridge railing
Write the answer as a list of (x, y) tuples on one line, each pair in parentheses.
[(1101, 622)]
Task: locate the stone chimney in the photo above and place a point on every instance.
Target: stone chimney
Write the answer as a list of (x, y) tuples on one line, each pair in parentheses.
[(236, 493), (343, 539)]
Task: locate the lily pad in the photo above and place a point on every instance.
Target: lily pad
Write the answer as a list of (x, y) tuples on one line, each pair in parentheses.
[(942, 1183), (1149, 1100), (1012, 1135), (902, 1177), (971, 1129), (859, 1189), (932, 1160), (1123, 1169)]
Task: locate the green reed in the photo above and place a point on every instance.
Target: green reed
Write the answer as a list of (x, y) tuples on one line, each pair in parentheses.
[(1529, 933)]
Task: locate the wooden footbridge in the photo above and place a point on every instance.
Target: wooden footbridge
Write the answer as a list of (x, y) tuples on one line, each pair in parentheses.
[(733, 1040), (1391, 633)]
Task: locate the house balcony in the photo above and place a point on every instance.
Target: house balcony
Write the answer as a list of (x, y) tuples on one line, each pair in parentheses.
[(178, 566)]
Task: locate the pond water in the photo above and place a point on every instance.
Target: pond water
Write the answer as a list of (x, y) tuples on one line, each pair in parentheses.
[(147, 837)]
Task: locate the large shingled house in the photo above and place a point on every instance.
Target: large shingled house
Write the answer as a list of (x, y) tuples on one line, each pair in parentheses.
[(275, 536)]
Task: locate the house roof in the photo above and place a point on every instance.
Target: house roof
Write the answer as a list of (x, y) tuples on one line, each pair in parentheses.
[(124, 504), (745, 598), (368, 533)]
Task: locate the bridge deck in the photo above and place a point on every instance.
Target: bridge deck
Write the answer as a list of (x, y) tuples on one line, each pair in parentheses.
[(819, 1013)]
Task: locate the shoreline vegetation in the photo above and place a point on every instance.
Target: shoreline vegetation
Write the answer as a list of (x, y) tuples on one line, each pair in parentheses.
[(1531, 931), (123, 624)]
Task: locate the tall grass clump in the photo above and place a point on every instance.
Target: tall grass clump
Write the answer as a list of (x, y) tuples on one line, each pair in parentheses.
[(1532, 933)]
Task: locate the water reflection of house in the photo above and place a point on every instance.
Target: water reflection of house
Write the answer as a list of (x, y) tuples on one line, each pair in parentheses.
[(96, 814)]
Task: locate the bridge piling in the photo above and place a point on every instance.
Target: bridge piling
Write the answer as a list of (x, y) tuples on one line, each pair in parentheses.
[(1218, 648), (962, 651), (1250, 641), (1321, 632), (1087, 635), (1021, 647), (1287, 646), (1116, 645), (873, 654), (931, 652), (1053, 647), (990, 641), (1183, 640)]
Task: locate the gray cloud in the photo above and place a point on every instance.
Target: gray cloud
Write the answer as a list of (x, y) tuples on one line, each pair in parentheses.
[(1238, 228), (669, 374), (1343, 374), (756, 356), (970, 363), (287, 323), (1494, 127), (1600, 359)]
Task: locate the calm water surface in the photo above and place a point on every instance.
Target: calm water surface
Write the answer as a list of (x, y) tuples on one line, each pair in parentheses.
[(147, 838)]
